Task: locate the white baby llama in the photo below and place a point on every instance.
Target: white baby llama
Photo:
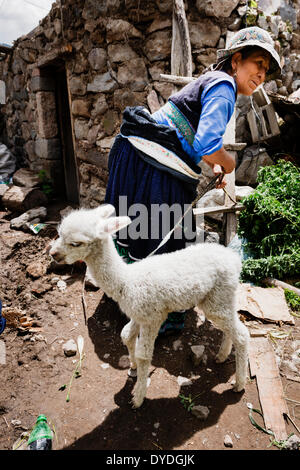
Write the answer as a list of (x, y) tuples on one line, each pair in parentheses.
[(206, 275)]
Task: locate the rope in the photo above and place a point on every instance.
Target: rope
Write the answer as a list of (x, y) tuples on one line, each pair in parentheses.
[(212, 184)]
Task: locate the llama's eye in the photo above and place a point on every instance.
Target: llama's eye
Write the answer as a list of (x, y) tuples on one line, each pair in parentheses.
[(76, 244)]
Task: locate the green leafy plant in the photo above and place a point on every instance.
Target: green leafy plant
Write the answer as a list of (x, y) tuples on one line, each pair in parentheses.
[(188, 402), (270, 224), (76, 374), (46, 183), (292, 299)]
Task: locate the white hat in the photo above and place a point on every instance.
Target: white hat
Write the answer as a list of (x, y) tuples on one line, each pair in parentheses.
[(252, 36)]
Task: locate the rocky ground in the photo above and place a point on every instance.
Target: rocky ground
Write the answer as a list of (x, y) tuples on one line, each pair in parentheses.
[(46, 312)]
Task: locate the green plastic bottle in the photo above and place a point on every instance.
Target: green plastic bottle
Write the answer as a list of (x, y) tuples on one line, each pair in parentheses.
[(41, 435)]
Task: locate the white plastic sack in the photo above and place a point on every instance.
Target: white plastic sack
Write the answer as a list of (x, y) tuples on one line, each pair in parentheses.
[(7, 163)]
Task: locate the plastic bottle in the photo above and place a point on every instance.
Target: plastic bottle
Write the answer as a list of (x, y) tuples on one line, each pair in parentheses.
[(41, 435)]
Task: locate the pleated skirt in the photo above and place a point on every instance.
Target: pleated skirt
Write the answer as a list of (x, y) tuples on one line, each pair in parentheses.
[(153, 198)]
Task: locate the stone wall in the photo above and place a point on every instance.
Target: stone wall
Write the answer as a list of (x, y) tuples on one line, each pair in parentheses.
[(114, 52)]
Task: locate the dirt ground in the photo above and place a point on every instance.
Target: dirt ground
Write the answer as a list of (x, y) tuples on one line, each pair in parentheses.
[(99, 415)]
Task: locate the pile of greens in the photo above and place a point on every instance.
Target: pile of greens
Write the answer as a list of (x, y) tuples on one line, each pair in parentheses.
[(270, 224)]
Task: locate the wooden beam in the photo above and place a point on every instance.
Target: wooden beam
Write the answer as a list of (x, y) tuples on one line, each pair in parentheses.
[(53, 56), (284, 285), (263, 366), (183, 44), (230, 219), (177, 80), (218, 209), (181, 52)]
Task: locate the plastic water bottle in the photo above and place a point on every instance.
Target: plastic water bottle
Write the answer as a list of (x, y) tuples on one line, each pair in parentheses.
[(41, 435)]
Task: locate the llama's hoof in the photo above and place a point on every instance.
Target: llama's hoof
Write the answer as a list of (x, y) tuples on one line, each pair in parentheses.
[(238, 388), (220, 359), (132, 372), (136, 402)]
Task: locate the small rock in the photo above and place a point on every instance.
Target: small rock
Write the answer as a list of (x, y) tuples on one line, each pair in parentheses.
[(197, 353), (16, 422), (36, 269), (70, 348), (228, 441), (183, 381), (177, 344), (292, 443), (124, 362), (38, 338), (156, 425), (105, 365), (201, 412), (26, 177), (61, 285), (30, 215)]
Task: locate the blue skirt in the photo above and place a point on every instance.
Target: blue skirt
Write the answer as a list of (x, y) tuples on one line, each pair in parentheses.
[(134, 181)]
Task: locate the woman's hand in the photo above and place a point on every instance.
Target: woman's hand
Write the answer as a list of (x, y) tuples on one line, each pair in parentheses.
[(217, 170)]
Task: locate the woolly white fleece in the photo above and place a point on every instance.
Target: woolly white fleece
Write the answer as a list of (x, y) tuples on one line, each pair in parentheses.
[(206, 275)]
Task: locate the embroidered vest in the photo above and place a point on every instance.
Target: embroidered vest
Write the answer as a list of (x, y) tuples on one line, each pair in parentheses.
[(188, 99)]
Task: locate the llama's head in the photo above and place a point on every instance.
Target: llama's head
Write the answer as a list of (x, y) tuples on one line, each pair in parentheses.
[(80, 229)]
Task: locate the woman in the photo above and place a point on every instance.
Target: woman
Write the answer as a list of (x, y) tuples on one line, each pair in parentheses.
[(154, 160)]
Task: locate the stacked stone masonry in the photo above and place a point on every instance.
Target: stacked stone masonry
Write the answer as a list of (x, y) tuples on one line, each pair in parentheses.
[(113, 52)]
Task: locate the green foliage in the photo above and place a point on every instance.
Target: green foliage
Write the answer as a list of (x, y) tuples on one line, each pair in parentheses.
[(270, 223), (251, 14), (252, 4), (46, 183), (187, 402), (292, 299)]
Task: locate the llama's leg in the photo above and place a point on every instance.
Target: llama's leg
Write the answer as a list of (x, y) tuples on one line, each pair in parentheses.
[(234, 332), (144, 351), (129, 335), (240, 338), (225, 348)]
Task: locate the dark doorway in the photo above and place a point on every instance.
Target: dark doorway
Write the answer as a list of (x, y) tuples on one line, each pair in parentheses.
[(65, 131), (67, 184)]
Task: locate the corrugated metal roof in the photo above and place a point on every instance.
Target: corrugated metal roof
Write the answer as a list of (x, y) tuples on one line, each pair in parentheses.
[(5, 47)]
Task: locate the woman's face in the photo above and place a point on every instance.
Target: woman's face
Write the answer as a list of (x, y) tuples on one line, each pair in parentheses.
[(250, 72)]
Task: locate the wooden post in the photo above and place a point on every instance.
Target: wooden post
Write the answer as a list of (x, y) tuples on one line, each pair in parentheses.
[(181, 53)]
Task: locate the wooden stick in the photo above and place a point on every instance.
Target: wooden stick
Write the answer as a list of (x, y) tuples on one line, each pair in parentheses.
[(176, 80), (274, 282), (218, 209), (288, 416)]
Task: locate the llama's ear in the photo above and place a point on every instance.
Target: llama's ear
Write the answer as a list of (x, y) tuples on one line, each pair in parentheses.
[(106, 210), (114, 224)]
